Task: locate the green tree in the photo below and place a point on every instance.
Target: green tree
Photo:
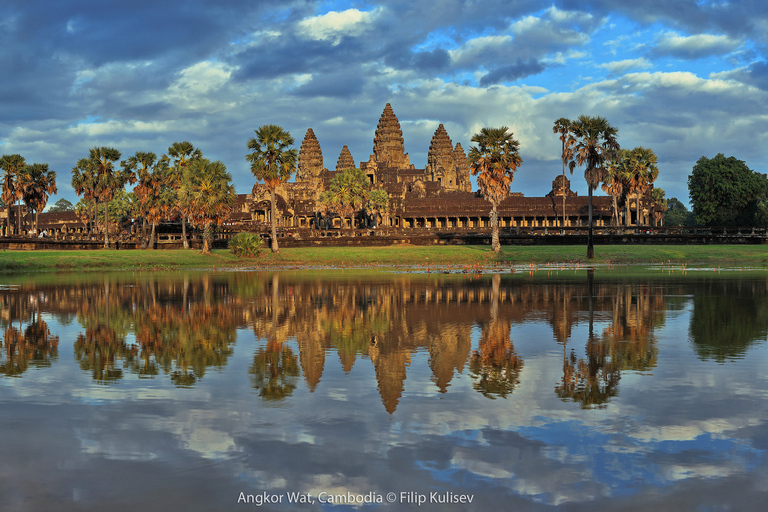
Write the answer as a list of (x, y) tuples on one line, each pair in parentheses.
[(725, 192), (595, 145), (62, 205), (273, 161), (377, 204), (180, 156), (677, 214), (494, 160), (563, 127), (12, 165), (37, 183), (347, 193), (207, 196)]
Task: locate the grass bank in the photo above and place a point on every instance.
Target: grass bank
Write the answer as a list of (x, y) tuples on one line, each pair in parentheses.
[(94, 260)]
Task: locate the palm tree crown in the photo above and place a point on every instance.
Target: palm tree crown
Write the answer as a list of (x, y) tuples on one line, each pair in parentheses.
[(272, 160)]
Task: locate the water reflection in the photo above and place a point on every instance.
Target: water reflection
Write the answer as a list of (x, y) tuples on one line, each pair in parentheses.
[(227, 382), (180, 327)]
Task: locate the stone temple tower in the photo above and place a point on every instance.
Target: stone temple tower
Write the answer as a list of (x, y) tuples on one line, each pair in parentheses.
[(462, 169), (441, 164), (345, 160), (388, 148), (310, 158)]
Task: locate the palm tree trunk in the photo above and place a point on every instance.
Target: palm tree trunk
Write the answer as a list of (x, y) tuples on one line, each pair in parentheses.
[(184, 241), (9, 220), (590, 246), (152, 237), (106, 224), (495, 245), (628, 215), (562, 225), (275, 248), (144, 231), (637, 211), (18, 217), (206, 238)]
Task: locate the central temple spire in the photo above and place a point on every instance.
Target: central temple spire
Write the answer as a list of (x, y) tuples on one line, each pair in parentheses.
[(388, 149)]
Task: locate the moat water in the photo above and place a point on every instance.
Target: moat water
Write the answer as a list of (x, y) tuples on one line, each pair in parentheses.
[(550, 389)]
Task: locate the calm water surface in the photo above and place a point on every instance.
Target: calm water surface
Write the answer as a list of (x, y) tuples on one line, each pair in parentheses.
[(219, 391)]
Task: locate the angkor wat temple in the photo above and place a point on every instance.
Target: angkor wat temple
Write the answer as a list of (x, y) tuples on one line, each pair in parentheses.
[(437, 196)]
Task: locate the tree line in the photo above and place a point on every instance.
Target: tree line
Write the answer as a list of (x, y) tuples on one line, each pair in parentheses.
[(182, 184)]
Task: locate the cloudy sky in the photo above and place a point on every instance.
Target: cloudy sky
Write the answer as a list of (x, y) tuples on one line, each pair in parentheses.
[(686, 78)]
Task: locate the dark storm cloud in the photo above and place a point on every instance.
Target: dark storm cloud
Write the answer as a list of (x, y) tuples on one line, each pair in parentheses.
[(736, 18), (433, 61), (756, 75), (333, 85), (520, 69)]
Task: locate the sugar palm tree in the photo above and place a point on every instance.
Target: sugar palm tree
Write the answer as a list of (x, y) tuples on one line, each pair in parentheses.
[(37, 184), (494, 160), (180, 156), (273, 161), (84, 183), (142, 164), (660, 200), (595, 145), (377, 204), (107, 179), (347, 193), (643, 172), (11, 165), (207, 195), (563, 127), (616, 180)]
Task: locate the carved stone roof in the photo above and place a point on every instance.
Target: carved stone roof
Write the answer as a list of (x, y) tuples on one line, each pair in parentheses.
[(440, 155), (388, 148), (310, 158), (345, 160)]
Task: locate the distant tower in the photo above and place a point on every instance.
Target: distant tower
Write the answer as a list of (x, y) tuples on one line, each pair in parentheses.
[(441, 166), (388, 149), (462, 169), (345, 160), (310, 158)]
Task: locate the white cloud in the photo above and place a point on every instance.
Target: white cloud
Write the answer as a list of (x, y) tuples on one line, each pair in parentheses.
[(334, 25), (695, 46)]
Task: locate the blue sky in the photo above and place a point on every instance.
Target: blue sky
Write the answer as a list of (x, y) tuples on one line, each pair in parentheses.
[(685, 78)]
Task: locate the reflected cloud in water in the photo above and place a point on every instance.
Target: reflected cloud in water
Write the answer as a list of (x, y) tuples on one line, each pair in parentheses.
[(579, 390)]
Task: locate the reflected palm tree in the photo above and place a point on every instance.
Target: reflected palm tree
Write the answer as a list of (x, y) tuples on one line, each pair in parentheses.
[(626, 344), (275, 371), (495, 367), (102, 353), (36, 348)]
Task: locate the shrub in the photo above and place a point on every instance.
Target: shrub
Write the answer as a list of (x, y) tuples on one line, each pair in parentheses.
[(245, 244)]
